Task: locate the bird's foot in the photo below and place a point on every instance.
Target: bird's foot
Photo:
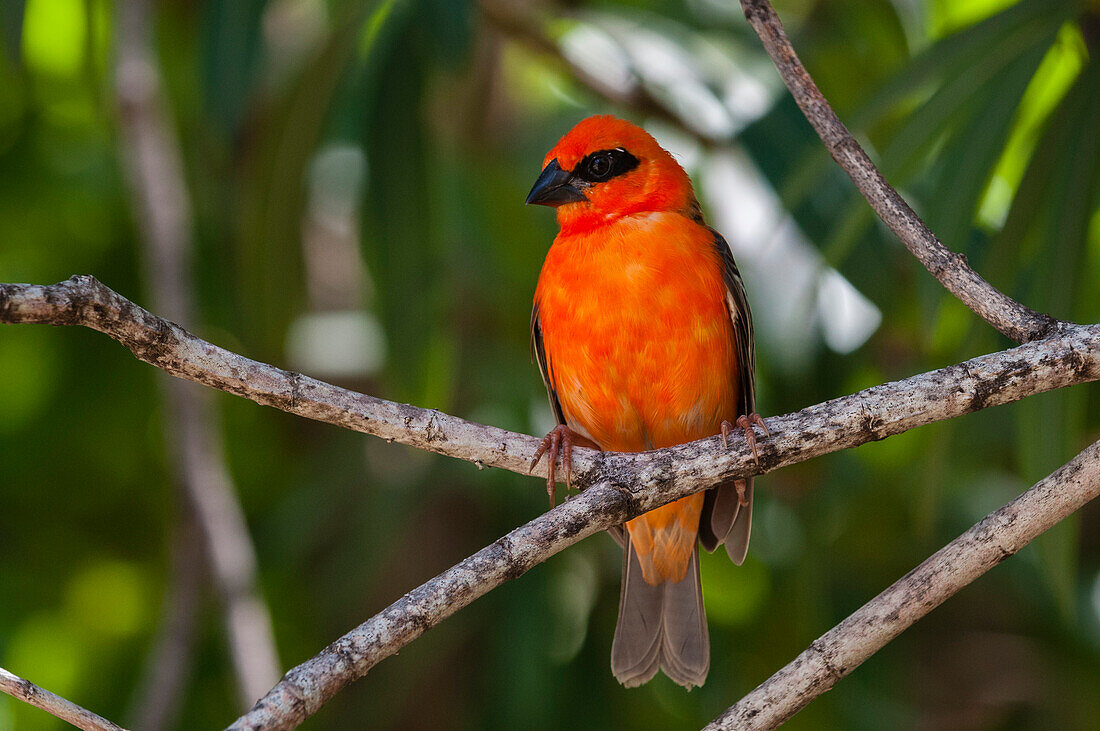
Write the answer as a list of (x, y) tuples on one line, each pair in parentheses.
[(560, 440), (746, 422)]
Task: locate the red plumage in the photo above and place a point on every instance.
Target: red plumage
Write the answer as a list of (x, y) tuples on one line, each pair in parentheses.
[(644, 338)]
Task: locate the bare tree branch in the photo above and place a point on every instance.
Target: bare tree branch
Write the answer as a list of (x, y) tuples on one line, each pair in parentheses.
[(155, 172), (1011, 318), (994, 539), (305, 688), (622, 485), (841, 650), (53, 704), (875, 413), (82, 300)]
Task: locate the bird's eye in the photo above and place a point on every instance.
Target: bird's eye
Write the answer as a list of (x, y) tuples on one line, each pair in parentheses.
[(605, 165), (599, 167)]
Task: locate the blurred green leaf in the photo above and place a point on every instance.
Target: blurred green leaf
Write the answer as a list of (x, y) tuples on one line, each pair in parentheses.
[(54, 34), (230, 33), (109, 598), (29, 366), (734, 597), (11, 25)]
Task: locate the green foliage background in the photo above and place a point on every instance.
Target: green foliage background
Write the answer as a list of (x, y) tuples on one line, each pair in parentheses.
[(985, 113)]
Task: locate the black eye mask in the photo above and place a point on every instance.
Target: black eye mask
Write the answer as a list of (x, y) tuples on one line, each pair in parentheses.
[(604, 165)]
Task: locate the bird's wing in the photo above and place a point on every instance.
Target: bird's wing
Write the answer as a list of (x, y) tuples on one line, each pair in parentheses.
[(741, 318), (538, 353), (723, 517)]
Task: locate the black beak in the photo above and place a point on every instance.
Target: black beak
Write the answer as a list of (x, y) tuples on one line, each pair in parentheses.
[(554, 187)]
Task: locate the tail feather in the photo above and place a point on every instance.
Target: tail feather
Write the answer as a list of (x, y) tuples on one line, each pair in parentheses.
[(685, 647), (737, 542), (720, 509), (725, 520), (636, 648), (660, 627)]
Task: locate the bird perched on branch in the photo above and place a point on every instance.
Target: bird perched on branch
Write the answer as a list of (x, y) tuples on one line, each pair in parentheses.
[(644, 338)]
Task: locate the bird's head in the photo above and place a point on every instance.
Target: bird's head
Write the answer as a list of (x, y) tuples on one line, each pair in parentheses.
[(606, 168)]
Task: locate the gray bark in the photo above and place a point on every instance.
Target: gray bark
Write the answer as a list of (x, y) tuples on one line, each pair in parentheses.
[(53, 704)]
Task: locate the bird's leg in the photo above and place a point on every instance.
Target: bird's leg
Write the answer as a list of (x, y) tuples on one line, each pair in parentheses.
[(560, 438), (745, 422)]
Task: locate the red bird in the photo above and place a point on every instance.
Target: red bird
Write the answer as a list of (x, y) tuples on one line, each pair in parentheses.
[(644, 338)]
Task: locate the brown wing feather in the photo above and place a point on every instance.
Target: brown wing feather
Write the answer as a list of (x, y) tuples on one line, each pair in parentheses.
[(721, 510), (538, 352), (741, 316)]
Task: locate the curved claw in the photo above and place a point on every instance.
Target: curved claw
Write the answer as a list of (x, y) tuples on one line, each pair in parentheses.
[(750, 437), (745, 422), (560, 437)]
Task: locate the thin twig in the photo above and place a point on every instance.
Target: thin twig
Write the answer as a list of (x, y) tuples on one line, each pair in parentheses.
[(53, 704), (841, 650), (155, 172), (1011, 318)]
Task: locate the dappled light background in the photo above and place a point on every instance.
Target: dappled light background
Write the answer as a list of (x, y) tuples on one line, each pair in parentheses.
[(357, 173)]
